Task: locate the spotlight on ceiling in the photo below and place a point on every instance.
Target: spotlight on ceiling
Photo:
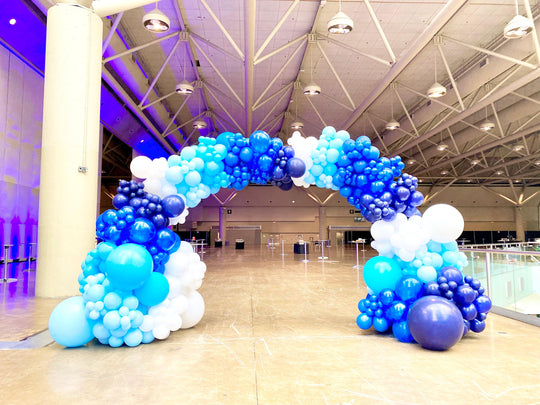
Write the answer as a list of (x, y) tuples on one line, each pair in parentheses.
[(156, 21), (436, 90), (392, 125), (518, 148), (487, 126), (442, 147), (199, 124), (411, 162), (184, 87), (518, 27), (474, 162), (340, 23), (296, 125), (499, 172), (312, 89), (444, 172)]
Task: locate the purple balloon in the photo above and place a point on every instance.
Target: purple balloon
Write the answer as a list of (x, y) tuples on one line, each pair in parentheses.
[(173, 205), (435, 323), (296, 167)]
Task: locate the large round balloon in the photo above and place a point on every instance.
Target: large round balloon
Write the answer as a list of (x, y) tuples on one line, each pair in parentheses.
[(435, 323), (154, 290), (381, 272), (68, 324), (443, 222), (194, 311), (128, 266)]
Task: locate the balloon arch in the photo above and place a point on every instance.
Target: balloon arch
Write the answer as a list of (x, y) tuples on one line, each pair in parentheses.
[(140, 282)]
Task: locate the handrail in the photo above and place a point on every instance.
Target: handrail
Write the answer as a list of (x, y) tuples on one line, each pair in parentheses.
[(506, 252)]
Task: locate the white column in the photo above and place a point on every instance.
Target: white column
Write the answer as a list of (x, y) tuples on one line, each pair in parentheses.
[(70, 148), (323, 229), (520, 224), (223, 224)]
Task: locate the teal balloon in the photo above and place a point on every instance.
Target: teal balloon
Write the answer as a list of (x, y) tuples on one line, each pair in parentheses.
[(68, 324), (128, 266), (154, 290), (381, 272)]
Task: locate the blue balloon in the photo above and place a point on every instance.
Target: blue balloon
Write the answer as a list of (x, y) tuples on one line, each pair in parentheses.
[(154, 290), (173, 205), (380, 324), (477, 326), (364, 321), (469, 312), (142, 231), (166, 239), (401, 332), (409, 289), (128, 266), (386, 297), (259, 141), (246, 154), (380, 273), (435, 323), (483, 304), (133, 338), (120, 200), (68, 324), (397, 311)]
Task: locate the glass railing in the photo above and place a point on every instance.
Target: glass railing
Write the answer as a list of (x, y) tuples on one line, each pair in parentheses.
[(511, 276)]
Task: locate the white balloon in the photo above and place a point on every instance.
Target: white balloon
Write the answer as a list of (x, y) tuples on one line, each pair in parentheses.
[(194, 311), (174, 322), (443, 222), (148, 323), (152, 185), (405, 255), (161, 332), (140, 167), (179, 304), (381, 230)]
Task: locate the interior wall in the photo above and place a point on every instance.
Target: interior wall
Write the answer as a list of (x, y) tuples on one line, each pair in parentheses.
[(21, 107), (294, 213)]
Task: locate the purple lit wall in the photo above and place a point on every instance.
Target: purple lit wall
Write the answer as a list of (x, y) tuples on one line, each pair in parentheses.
[(21, 106)]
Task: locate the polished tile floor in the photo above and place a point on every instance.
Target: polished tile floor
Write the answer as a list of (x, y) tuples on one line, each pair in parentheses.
[(276, 331)]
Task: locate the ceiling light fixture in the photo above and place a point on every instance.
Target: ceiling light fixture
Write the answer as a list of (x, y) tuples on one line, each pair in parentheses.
[(411, 162), (155, 21), (442, 147), (436, 90), (499, 172), (392, 124), (518, 148), (340, 23), (474, 162), (184, 87), (444, 172), (487, 125), (296, 125), (312, 89), (199, 124), (13, 21), (519, 26)]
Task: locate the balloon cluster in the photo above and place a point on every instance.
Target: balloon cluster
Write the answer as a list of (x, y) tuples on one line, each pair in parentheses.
[(416, 285), (337, 162), (468, 295), (139, 283)]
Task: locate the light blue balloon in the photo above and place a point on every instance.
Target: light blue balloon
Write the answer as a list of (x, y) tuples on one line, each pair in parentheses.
[(112, 301), (154, 291), (111, 320), (192, 178), (174, 175), (188, 153), (148, 337), (174, 160), (380, 273), (68, 324), (128, 266), (133, 338)]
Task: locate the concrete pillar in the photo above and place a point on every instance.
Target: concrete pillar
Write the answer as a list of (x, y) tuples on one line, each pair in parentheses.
[(70, 148), (323, 228), (222, 224), (520, 224)]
